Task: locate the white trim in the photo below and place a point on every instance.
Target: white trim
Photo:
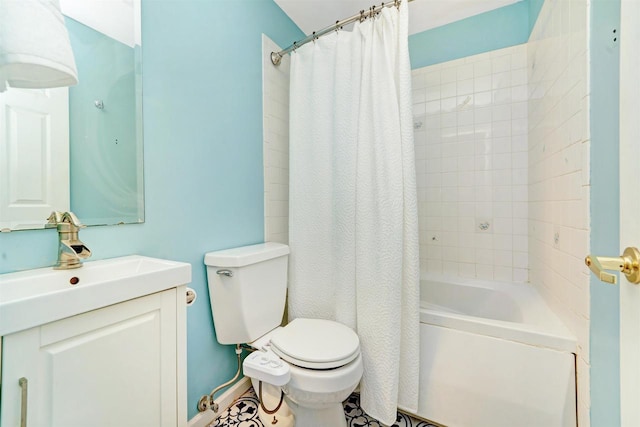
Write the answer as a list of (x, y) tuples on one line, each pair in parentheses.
[(225, 400)]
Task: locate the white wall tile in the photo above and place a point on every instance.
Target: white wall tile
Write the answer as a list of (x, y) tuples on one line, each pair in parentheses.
[(431, 78), (465, 87), (504, 274), (482, 83), (448, 90), (501, 80), (465, 71), (501, 112), (275, 103), (470, 168), (484, 271), (431, 93), (482, 66), (481, 115), (482, 99), (501, 63), (558, 134)]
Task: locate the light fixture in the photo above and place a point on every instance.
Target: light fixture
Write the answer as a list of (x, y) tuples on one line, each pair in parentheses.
[(35, 51)]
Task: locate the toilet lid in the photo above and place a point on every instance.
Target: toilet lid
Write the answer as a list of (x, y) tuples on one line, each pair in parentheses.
[(316, 343)]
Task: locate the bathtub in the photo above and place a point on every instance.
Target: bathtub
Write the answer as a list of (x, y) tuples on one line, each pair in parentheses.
[(493, 354)]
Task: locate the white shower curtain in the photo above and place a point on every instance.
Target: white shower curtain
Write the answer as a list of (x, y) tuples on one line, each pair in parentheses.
[(353, 221)]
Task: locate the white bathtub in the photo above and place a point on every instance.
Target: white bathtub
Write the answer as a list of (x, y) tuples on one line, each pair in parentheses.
[(493, 354)]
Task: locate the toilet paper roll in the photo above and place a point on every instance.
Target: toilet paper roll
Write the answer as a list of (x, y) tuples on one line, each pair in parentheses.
[(191, 296)]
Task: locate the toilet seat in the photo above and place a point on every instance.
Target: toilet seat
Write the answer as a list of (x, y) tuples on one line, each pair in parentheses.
[(316, 343)]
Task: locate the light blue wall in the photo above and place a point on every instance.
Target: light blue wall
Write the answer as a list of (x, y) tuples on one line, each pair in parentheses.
[(503, 27), (203, 156), (496, 29), (534, 10), (605, 211)]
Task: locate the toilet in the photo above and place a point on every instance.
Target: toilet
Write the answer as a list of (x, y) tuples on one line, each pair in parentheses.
[(315, 364)]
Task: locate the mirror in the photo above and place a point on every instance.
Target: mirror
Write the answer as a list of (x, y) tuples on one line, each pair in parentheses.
[(79, 148)]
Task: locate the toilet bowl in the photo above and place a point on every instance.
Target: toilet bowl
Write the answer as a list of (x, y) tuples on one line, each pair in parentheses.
[(313, 408), (315, 363), (325, 367)]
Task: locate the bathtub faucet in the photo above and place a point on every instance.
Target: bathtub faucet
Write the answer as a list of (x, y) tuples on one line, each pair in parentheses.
[(70, 249)]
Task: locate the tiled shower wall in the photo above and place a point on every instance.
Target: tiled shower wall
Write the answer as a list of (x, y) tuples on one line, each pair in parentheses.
[(470, 128), (275, 125), (559, 185)]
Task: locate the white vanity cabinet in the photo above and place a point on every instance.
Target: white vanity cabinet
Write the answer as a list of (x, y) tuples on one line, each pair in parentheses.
[(122, 365)]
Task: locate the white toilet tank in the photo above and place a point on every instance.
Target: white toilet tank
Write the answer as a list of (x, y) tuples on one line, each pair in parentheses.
[(247, 288)]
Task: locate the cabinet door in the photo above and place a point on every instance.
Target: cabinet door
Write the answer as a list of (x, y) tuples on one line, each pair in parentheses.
[(113, 367)]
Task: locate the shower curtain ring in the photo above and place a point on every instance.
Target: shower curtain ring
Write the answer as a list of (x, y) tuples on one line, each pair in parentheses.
[(295, 46), (362, 18)]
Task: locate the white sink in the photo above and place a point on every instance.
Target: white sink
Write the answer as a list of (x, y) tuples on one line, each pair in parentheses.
[(35, 297)]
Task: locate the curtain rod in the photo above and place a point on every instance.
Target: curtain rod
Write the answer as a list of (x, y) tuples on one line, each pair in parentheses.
[(276, 57)]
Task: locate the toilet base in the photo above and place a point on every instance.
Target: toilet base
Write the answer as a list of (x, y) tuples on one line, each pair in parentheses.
[(317, 414), (327, 415), (315, 396), (270, 398)]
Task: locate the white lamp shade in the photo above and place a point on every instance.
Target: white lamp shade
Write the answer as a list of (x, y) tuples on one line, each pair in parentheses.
[(35, 51)]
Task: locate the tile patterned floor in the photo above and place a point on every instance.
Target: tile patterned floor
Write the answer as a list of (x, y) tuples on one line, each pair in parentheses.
[(244, 413)]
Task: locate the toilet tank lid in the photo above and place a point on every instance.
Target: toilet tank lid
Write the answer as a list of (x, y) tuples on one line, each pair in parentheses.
[(246, 255)]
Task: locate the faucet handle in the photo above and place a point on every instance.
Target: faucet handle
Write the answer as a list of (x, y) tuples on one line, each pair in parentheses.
[(71, 218), (57, 218), (64, 217), (54, 219)]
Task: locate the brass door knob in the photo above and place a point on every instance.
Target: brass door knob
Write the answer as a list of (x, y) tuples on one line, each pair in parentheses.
[(628, 263)]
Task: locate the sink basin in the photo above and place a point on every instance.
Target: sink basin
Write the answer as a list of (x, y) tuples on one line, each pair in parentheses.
[(35, 297)]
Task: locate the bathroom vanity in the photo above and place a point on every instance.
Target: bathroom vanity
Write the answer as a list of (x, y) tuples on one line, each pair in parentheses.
[(109, 350)]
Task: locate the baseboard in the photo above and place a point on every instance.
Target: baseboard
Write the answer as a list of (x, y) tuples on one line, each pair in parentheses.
[(225, 400)]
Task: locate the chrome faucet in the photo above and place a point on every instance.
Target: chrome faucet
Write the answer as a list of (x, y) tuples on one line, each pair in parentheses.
[(70, 249)]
